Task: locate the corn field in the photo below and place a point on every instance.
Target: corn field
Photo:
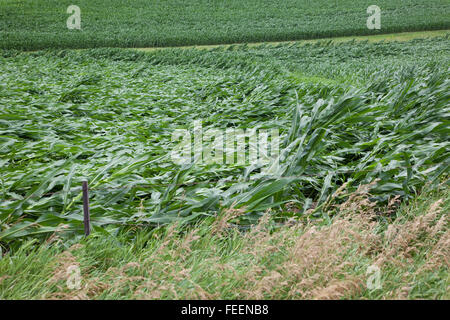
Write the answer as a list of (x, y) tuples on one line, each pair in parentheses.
[(34, 25), (348, 114)]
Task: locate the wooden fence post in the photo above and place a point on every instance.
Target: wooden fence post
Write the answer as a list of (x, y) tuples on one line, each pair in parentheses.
[(87, 218)]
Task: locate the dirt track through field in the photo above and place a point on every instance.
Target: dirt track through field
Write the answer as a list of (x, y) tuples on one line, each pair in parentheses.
[(403, 36)]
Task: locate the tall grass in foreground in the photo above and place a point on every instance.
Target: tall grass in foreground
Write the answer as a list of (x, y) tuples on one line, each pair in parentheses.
[(325, 259)]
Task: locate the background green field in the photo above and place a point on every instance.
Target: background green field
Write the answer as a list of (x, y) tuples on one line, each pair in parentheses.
[(140, 23)]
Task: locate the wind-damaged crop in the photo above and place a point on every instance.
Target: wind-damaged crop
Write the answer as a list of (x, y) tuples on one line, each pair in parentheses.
[(337, 126)]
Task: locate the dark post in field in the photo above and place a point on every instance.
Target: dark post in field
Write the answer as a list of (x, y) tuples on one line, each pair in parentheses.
[(87, 219)]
